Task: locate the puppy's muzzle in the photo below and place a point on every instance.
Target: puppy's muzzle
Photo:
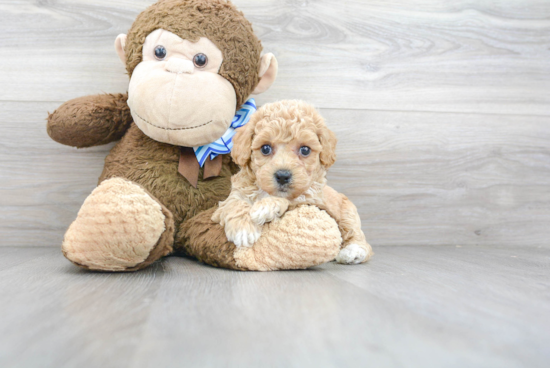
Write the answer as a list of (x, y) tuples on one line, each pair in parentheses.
[(283, 177)]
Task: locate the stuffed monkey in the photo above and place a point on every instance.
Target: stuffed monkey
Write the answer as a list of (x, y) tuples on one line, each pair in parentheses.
[(192, 66)]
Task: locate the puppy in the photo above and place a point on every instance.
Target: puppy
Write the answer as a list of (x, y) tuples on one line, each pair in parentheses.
[(284, 153)]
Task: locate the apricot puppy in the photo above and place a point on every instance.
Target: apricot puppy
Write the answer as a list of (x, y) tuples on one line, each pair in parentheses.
[(284, 153)]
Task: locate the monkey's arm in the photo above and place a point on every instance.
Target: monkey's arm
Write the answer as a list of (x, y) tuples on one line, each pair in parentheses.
[(91, 120)]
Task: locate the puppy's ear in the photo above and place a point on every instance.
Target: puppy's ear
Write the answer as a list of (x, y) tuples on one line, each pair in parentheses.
[(328, 141), (242, 142)]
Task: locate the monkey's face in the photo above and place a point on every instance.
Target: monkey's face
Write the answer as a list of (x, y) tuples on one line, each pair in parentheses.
[(176, 95)]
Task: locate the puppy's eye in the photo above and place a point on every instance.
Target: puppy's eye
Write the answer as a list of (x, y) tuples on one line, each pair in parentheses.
[(266, 150), (160, 52), (200, 60), (305, 151)]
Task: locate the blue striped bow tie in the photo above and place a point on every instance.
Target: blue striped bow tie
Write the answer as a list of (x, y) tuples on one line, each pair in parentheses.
[(225, 143)]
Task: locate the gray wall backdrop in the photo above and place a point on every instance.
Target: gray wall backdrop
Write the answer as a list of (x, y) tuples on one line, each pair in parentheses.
[(442, 109)]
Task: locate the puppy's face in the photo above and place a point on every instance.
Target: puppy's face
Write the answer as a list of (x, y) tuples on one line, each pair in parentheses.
[(286, 165), (287, 147)]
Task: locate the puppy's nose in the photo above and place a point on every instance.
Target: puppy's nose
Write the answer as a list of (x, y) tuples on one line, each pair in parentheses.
[(283, 177), (180, 66)]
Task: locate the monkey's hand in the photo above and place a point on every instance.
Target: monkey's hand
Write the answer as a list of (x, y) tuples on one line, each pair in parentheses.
[(91, 120), (268, 209)]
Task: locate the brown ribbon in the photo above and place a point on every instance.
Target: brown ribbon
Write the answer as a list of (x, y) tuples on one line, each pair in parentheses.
[(189, 166), (212, 168)]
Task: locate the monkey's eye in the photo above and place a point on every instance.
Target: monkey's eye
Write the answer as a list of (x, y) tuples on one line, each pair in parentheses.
[(266, 149), (160, 52), (305, 151), (200, 60)]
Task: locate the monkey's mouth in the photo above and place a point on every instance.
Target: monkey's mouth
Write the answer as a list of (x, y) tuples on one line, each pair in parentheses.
[(166, 128)]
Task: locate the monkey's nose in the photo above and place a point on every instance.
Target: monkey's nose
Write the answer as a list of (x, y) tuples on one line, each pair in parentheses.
[(179, 66), (283, 177)]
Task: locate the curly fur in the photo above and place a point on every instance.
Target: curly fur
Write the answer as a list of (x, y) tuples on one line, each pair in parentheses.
[(257, 198)]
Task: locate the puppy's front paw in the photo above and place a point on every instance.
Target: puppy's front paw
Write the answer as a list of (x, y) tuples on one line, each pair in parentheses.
[(262, 214), (243, 234), (352, 254), (268, 209)]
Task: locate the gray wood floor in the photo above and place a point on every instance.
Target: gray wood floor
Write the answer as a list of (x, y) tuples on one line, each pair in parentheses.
[(414, 306)]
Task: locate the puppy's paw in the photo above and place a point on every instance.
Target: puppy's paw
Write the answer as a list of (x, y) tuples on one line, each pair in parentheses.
[(262, 214), (217, 216), (268, 209), (243, 234), (352, 254)]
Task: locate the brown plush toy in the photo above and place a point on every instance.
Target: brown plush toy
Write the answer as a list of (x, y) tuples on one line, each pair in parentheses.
[(192, 65)]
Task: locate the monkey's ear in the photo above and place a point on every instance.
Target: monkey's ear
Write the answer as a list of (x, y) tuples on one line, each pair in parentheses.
[(268, 73), (120, 43)]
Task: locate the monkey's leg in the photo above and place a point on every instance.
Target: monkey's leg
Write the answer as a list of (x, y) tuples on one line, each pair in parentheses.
[(120, 227), (302, 238)]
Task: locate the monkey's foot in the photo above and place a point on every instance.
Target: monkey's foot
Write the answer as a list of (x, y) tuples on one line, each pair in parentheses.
[(302, 238), (120, 227)]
